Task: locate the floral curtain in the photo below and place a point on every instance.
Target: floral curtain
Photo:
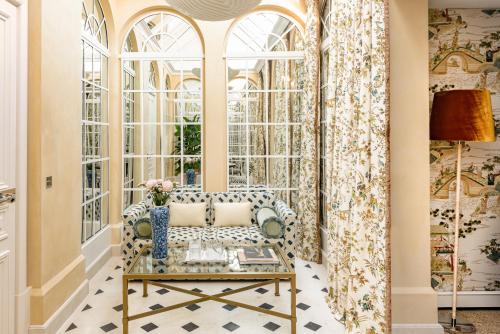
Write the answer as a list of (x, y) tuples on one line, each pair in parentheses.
[(308, 232), (357, 165)]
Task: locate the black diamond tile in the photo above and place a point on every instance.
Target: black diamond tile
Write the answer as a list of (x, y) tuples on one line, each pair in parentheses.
[(227, 289), (196, 290), (296, 290), (108, 327), (315, 277), (231, 326), (109, 278), (131, 291), (86, 307), (308, 266), (266, 306), (118, 267), (261, 291), (190, 327), (162, 291), (149, 327), (193, 307), (324, 290), (271, 326), (229, 307), (99, 292), (312, 326), (303, 306), (118, 308), (156, 306), (70, 327)]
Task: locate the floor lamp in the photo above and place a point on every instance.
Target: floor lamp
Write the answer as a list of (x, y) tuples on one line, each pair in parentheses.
[(461, 115)]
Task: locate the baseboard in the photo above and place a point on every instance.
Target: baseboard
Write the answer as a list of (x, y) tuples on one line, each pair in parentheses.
[(54, 323), (417, 329), (471, 299), (98, 263), (23, 311)]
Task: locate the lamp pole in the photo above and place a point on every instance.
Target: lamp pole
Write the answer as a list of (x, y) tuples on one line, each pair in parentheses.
[(457, 230)]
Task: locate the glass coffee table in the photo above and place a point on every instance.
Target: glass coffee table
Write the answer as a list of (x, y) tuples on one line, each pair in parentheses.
[(155, 272)]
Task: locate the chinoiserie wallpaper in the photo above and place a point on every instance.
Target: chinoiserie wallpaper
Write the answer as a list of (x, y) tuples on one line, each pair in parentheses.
[(464, 46)]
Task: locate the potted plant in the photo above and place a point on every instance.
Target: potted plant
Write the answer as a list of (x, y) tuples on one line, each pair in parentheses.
[(192, 146), (160, 191)]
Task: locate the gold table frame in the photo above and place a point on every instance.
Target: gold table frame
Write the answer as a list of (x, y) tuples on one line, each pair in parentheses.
[(264, 278)]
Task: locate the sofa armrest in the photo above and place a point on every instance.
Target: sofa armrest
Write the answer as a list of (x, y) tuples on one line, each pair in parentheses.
[(135, 212), (288, 216), (290, 219)]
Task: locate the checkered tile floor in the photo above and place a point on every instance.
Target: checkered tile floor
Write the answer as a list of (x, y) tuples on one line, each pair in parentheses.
[(102, 310)]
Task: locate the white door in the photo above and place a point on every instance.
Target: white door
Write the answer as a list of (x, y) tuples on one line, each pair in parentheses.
[(8, 84)]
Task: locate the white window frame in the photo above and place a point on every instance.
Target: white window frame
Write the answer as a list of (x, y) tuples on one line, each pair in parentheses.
[(263, 55), (142, 57), (91, 39)]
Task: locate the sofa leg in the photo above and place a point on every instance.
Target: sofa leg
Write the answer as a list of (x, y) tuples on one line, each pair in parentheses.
[(144, 288), (277, 287)]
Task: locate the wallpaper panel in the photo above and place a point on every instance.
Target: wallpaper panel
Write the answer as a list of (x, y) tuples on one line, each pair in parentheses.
[(464, 46)]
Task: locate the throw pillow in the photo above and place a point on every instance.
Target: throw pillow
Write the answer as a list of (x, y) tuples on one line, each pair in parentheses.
[(142, 228), (233, 214), (190, 214)]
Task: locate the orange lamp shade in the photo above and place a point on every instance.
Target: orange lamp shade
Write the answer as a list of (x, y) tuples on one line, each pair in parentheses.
[(462, 115)]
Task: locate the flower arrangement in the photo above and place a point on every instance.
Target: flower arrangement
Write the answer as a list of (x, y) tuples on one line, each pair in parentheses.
[(160, 190)]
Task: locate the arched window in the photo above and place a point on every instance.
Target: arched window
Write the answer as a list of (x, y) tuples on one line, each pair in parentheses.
[(95, 149), (265, 88), (326, 13), (162, 63)]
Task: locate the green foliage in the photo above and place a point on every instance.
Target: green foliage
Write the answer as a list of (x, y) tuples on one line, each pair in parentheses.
[(492, 250), (192, 143), (447, 218)]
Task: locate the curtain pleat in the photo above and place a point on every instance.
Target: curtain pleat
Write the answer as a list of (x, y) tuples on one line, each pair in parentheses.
[(357, 166), (308, 231)]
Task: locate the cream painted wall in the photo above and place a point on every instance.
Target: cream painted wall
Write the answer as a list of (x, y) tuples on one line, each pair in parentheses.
[(413, 299), (56, 267)]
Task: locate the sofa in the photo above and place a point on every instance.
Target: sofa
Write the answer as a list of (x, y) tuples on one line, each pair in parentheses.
[(245, 236)]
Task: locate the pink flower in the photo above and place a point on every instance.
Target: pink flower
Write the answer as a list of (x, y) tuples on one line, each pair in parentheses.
[(168, 186), (150, 184)]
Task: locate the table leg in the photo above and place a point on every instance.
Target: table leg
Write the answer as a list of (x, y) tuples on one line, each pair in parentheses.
[(293, 294), (277, 287), (144, 288), (125, 305)]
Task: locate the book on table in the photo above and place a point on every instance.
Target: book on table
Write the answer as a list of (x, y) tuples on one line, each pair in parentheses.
[(257, 255)]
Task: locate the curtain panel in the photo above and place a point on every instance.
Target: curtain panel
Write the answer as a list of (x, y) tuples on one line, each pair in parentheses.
[(308, 232), (357, 166)]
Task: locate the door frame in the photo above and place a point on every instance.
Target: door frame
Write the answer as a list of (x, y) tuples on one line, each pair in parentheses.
[(22, 291)]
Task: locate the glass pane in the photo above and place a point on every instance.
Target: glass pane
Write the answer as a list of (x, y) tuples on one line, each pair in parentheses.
[(237, 140), (89, 181), (294, 142), (151, 144), (255, 104), (88, 220), (278, 173), (278, 110), (236, 108), (105, 176), (192, 139), (192, 173), (96, 68), (104, 71), (150, 107), (295, 107), (170, 143), (97, 216), (294, 170), (97, 179), (237, 172), (87, 62), (257, 135), (277, 139), (258, 172), (104, 106), (172, 169)]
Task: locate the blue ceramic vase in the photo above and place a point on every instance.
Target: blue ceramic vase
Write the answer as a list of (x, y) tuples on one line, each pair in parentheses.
[(159, 229), (191, 177)]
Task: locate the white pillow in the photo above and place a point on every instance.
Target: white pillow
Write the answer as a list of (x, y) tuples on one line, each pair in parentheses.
[(191, 214), (233, 214)]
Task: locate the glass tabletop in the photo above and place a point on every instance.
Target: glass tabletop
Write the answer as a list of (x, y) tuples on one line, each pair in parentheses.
[(175, 263)]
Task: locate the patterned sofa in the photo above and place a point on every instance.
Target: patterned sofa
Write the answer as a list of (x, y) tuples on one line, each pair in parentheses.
[(252, 235)]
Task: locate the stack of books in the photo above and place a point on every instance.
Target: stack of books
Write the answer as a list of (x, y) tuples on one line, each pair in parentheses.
[(257, 255)]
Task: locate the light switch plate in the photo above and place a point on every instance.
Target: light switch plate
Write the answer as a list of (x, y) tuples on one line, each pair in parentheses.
[(48, 182)]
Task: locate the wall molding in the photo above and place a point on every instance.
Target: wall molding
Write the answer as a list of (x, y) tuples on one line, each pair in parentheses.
[(471, 299), (54, 323), (417, 329)]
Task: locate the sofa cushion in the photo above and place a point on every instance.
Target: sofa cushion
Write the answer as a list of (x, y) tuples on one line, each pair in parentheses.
[(194, 197), (232, 214), (187, 214), (181, 235)]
